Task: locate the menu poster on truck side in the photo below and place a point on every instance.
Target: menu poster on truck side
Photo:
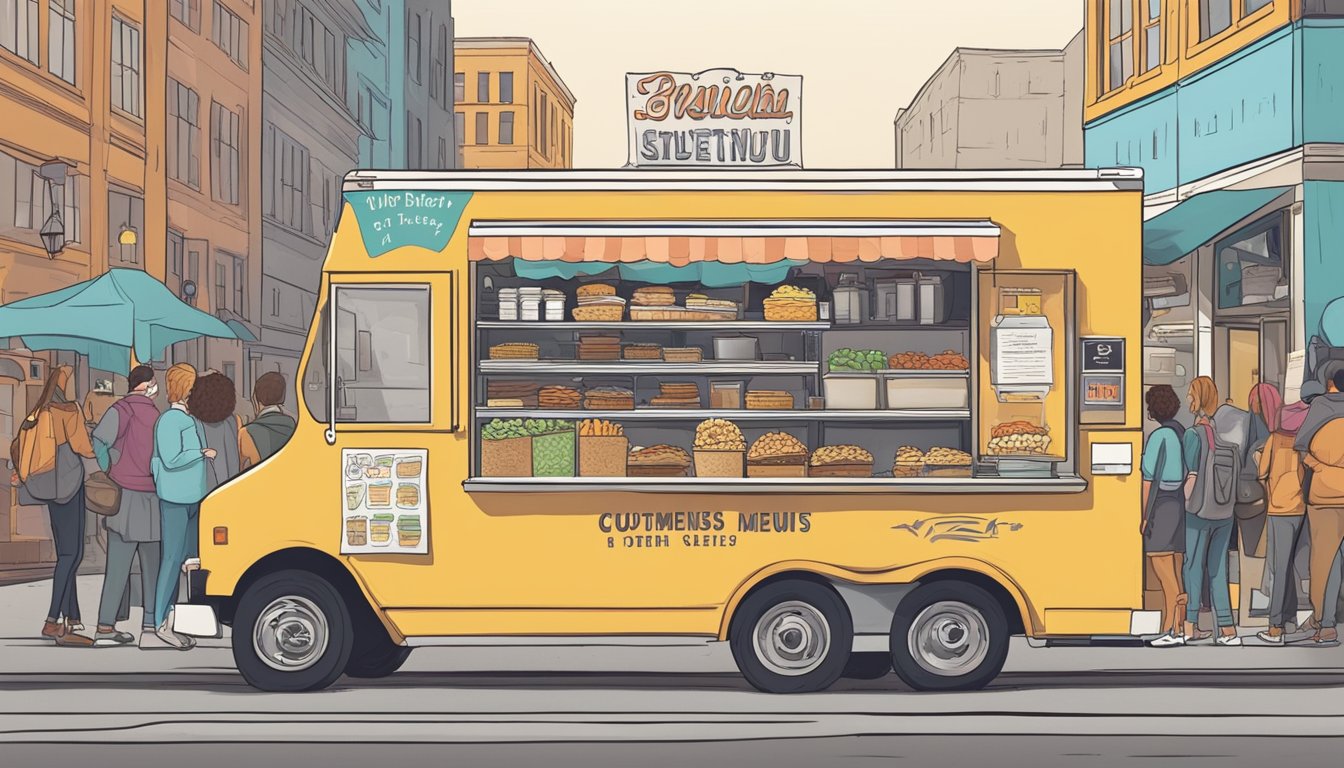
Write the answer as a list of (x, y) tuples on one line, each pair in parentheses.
[(384, 505), (1022, 352)]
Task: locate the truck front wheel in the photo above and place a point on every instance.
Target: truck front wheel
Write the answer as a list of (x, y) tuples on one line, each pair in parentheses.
[(792, 637), (292, 632), (948, 636)]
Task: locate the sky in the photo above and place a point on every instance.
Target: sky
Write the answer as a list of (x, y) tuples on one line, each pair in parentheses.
[(861, 60)]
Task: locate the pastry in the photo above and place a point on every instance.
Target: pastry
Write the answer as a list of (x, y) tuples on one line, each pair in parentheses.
[(1018, 437), (599, 347), (595, 289), (719, 435), (683, 354), (777, 448), (557, 397), (609, 399), (642, 352), (515, 351), (840, 454), (654, 296), (790, 303), (909, 462), (658, 461), (600, 428)]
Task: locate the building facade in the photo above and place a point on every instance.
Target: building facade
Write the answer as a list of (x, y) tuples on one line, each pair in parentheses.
[(992, 109), (310, 139), (427, 93), (212, 170), (1232, 110), (76, 158), (512, 108), (373, 83)]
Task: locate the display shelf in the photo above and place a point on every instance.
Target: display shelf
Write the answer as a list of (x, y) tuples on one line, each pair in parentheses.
[(675, 414), (810, 485), (706, 367), (650, 325)]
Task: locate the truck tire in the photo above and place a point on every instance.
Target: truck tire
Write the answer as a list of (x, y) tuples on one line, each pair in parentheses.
[(792, 637), (948, 636), (292, 632), (867, 665), (374, 655)]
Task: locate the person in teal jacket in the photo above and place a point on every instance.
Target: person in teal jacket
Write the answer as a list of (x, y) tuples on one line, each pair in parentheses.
[(180, 480)]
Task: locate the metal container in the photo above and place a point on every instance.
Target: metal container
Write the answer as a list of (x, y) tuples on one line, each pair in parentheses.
[(736, 348), (851, 300), (903, 300), (508, 303), (884, 300), (932, 304)]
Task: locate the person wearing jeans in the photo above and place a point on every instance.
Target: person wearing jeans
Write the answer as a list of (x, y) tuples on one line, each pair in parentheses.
[(1208, 527), (180, 479)]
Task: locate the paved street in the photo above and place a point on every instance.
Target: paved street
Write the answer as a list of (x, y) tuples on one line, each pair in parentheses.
[(508, 707)]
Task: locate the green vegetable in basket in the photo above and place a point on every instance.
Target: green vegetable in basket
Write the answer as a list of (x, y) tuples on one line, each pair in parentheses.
[(536, 427), (553, 454), (856, 360), (503, 429)]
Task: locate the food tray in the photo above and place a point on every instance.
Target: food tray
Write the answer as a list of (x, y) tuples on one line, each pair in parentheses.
[(841, 470), (603, 455), (677, 315), (790, 310), (915, 392), (850, 391), (657, 470), (506, 458), (719, 463), (947, 470), (776, 470)]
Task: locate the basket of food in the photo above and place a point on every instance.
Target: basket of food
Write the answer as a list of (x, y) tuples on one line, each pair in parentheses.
[(515, 350), (947, 360), (789, 303), (658, 461), (777, 454), (506, 449), (553, 448), (840, 461), (603, 448), (947, 462), (909, 462), (720, 449), (1018, 438)]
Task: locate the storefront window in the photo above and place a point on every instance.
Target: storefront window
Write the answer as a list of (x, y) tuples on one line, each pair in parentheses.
[(1250, 265)]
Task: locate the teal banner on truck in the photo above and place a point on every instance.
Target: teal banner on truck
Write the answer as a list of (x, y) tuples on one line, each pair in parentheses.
[(389, 219)]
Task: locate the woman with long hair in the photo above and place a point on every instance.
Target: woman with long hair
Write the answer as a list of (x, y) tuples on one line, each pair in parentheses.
[(46, 457), (1208, 531), (1165, 469)]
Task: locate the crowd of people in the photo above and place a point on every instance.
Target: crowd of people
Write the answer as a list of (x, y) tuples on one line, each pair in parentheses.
[(156, 468), (1272, 477)]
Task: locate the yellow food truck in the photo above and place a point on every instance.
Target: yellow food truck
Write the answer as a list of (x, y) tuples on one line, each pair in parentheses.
[(847, 422)]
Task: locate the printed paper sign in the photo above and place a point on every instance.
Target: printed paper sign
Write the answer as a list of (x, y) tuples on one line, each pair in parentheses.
[(1022, 356), (384, 505), (393, 218)]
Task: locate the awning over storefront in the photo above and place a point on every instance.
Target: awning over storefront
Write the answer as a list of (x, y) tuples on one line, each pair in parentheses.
[(1194, 221), (11, 370), (685, 243)]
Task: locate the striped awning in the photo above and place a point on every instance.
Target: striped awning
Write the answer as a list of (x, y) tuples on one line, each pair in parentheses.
[(681, 243)]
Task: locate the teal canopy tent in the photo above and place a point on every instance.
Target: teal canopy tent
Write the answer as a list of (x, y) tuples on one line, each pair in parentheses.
[(1194, 221), (108, 318)]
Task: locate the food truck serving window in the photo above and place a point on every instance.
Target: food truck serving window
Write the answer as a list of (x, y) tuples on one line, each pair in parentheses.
[(382, 350)]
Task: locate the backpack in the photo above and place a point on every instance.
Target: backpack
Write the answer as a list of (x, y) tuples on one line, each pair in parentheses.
[(1215, 491)]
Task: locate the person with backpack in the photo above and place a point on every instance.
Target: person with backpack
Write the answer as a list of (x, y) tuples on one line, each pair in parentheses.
[(1170, 450), (1324, 458), (1209, 519), (47, 460), (272, 428)]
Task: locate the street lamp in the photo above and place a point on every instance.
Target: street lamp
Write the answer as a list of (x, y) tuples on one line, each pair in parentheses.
[(53, 229), (127, 238), (189, 291)]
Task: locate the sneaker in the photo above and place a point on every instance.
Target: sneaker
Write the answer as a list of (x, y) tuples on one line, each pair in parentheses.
[(149, 641), (174, 640), (1327, 637), (73, 640), (1168, 641), (112, 639), (52, 630), (74, 626), (1274, 636), (1233, 641)]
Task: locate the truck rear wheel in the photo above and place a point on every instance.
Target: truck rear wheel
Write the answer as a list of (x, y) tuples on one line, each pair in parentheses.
[(792, 637), (292, 632), (948, 636)]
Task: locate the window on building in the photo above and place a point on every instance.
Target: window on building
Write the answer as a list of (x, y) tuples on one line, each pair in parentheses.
[(541, 121), (441, 55), (61, 43), (1152, 35), (125, 213), (184, 162), (240, 286), (459, 87), (177, 245), (220, 295), (189, 12), (414, 31), (505, 87), (291, 183), (1118, 57), (18, 28), (459, 134), (415, 142), (230, 33), (275, 302), (443, 153), (1215, 16), (532, 118), (506, 128), (482, 128), (126, 86), (1250, 264), (1251, 6), (224, 154), (554, 135), (483, 87)]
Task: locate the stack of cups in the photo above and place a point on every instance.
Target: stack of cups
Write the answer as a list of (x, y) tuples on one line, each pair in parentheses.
[(529, 304), (555, 304), (508, 303)]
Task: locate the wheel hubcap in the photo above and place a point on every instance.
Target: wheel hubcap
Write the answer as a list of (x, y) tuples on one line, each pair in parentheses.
[(792, 638), (290, 634), (949, 639)]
